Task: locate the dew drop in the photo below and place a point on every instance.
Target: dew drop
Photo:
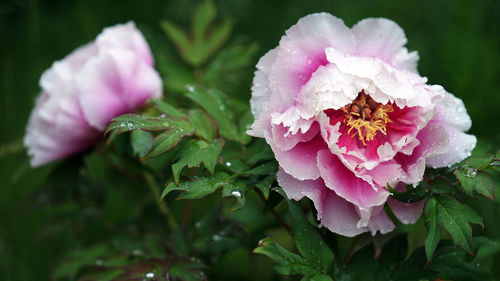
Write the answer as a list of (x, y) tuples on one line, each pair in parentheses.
[(469, 172), (228, 164), (150, 275), (236, 193)]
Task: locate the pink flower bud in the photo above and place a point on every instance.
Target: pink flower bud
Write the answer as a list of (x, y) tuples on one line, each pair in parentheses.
[(81, 93)]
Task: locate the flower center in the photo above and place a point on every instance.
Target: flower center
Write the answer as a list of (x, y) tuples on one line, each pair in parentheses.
[(366, 117)]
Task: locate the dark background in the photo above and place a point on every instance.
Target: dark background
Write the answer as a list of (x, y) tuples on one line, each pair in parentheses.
[(458, 43)]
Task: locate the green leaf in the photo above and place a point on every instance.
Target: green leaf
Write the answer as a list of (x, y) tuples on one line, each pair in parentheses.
[(141, 142), (455, 217), (245, 122), (455, 264), (228, 61), (264, 185), (309, 243), (287, 262), (197, 152), (364, 267), (236, 190), (472, 181), (175, 74), (215, 104), (198, 188), (268, 168), (479, 162), (486, 247), (203, 124), (433, 227), (178, 37), (204, 39), (186, 270), (167, 108), (130, 122), (165, 142), (259, 150), (317, 277), (79, 258), (441, 185), (273, 200), (214, 40), (236, 165), (411, 195), (203, 17)]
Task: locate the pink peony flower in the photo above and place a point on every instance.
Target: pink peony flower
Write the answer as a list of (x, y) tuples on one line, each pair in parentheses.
[(346, 113), (80, 94)]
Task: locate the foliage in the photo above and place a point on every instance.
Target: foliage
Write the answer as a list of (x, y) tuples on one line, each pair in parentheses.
[(146, 203)]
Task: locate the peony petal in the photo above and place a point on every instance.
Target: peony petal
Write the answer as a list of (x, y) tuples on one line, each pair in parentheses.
[(407, 213), (260, 87), (285, 141), (335, 213), (57, 80), (296, 189), (301, 52), (381, 223), (115, 83), (384, 39), (433, 140), (125, 37), (328, 88), (300, 161), (341, 180), (386, 83), (56, 129), (451, 115)]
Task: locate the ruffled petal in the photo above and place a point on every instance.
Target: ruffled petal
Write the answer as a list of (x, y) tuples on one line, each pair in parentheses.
[(384, 39), (300, 161), (115, 83), (335, 213), (302, 50), (286, 141), (58, 79), (260, 86), (407, 213), (56, 129), (451, 115), (125, 37), (353, 189), (386, 83), (381, 223)]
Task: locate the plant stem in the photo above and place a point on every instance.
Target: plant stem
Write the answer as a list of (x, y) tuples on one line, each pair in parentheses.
[(164, 209), (280, 219)]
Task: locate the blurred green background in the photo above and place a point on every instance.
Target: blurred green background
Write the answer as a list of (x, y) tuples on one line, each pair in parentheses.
[(458, 43)]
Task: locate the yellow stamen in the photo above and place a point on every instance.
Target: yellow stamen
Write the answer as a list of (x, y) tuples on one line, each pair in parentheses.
[(366, 126)]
